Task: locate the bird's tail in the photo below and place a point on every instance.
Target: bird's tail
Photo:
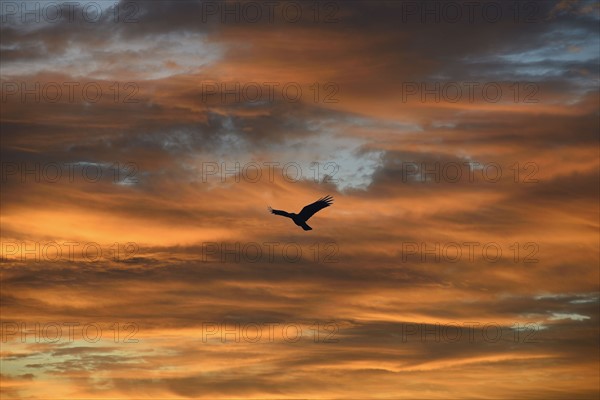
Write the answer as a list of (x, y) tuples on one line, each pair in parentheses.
[(306, 227)]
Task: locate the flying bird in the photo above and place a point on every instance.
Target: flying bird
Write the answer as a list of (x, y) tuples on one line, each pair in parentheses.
[(307, 212)]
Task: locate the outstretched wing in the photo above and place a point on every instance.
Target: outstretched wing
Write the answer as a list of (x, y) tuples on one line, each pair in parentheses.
[(318, 205), (280, 212)]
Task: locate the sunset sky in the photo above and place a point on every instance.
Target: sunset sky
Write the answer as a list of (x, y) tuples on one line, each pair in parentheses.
[(142, 142)]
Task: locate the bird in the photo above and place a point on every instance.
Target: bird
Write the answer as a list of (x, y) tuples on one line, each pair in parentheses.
[(307, 212)]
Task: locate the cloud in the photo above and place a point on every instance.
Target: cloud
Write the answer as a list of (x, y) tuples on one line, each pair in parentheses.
[(168, 174)]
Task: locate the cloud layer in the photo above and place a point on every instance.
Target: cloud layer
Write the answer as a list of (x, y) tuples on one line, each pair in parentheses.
[(142, 142)]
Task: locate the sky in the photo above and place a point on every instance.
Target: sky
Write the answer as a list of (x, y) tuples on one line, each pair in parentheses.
[(142, 143)]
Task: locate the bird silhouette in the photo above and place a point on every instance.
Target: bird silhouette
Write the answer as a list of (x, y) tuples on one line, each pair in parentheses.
[(307, 212)]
